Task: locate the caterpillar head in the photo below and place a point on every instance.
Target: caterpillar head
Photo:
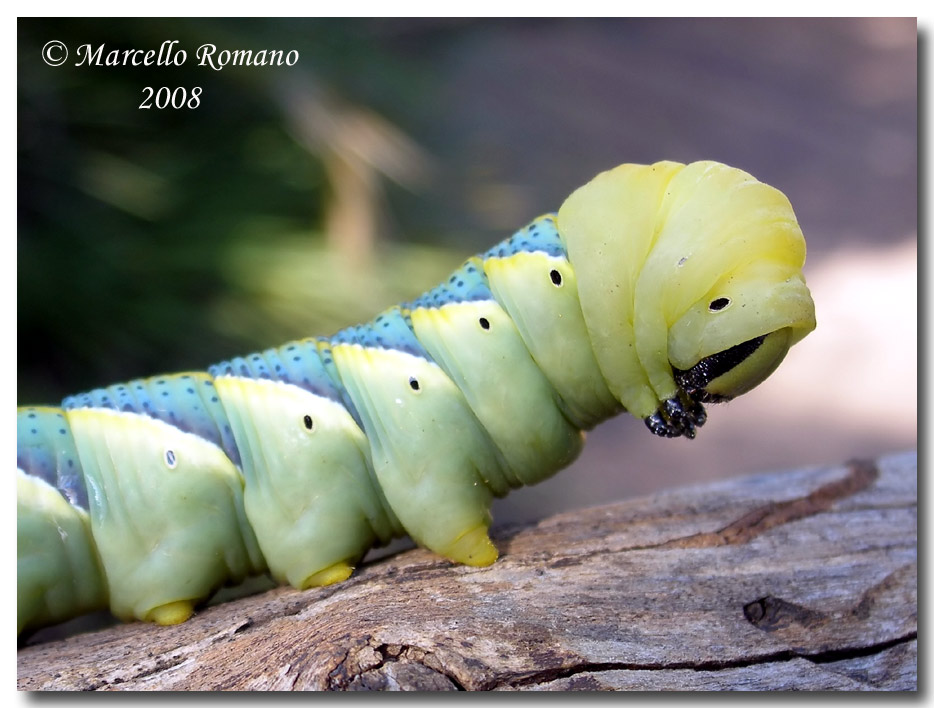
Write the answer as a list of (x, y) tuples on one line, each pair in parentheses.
[(731, 340), (752, 303), (702, 264)]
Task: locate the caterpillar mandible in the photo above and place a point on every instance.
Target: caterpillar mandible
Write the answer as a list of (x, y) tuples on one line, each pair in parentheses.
[(654, 289)]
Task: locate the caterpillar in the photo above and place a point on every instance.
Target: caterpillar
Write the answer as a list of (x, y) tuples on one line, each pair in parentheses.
[(654, 289)]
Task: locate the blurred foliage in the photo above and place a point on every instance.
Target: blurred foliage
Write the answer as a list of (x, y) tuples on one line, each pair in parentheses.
[(158, 240)]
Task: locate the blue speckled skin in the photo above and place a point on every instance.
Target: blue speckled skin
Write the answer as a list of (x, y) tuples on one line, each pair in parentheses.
[(389, 330), (466, 284), (188, 402), (540, 236), (45, 448), (302, 364)]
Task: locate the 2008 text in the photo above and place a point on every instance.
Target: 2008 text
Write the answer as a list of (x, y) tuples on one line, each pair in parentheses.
[(165, 97)]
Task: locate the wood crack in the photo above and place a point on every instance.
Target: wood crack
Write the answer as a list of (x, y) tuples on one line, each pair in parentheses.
[(833, 655), (823, 657), (861, 474)]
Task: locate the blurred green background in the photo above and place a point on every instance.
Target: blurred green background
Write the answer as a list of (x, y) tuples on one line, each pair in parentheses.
[(297, 200), (154, 240)]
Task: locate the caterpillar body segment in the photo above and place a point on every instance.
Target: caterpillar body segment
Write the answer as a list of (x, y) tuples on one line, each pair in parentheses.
[(617, 207), (284, 457), (654, 289), (533, 303), (310, 494), (439, 476), (163, 499), (58, 571), (476, 343)]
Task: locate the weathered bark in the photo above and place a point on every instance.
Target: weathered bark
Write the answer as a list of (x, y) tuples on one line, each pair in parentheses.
[(799, 580)]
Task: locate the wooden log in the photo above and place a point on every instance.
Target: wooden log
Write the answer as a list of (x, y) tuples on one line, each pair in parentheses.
[(800, 580)]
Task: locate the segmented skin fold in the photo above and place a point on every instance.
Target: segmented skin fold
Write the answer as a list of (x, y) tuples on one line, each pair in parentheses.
[(654, 289)]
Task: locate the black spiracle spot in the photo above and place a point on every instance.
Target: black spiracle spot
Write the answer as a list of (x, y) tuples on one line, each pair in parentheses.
[(309, 423), (719, 304), (171, 460), (413, 384), (484, 323), (555, 277)]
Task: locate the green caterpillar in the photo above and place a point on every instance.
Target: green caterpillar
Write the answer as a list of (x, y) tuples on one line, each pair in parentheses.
[(654, 289)]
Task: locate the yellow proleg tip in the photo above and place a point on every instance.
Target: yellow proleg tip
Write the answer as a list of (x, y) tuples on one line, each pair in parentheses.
[(171, 613), (330, 575), (472, 547)]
